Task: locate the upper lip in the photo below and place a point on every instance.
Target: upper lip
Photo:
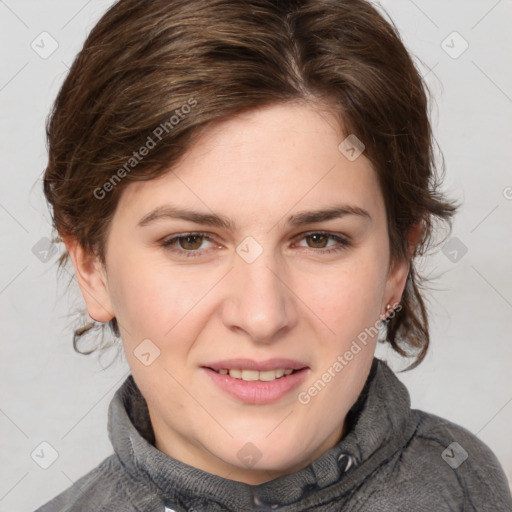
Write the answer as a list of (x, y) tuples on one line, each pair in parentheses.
[(251, 364)]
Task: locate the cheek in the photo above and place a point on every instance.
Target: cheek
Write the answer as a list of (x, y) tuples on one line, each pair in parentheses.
[(349, 304), (148, 301), (349, 299)]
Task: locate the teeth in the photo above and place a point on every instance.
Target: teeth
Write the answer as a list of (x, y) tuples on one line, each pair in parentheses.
[(268, 375), (251, 375)]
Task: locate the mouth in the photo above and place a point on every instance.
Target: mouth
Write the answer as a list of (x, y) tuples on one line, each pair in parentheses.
[(254, 382), (253, 375)]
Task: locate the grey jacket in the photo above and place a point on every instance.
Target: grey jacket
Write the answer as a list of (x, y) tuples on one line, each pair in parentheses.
[(393, 458)]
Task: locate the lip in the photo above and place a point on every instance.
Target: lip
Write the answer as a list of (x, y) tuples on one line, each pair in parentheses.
[(257, 392), (261, 366)]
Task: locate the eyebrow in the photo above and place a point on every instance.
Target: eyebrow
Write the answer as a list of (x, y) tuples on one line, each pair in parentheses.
[(220, 221)]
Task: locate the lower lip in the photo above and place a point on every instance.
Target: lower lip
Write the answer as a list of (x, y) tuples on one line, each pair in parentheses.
[(256, 391)]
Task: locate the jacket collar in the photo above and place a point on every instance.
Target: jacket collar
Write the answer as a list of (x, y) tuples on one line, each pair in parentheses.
[(374, 433)]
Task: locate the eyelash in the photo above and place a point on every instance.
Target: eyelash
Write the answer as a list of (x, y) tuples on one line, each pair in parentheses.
[(168, 243)]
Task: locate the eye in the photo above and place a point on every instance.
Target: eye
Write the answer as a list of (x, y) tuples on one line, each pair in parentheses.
[(189, 244), (319, 239)]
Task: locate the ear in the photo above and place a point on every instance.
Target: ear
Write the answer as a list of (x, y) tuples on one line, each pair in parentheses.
[(91, 277), (397, 275)]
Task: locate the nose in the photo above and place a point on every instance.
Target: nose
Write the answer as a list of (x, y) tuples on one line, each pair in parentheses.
[(260, 303)]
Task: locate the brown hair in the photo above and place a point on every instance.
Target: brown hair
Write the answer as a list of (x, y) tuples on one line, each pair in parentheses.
[(166, 69)]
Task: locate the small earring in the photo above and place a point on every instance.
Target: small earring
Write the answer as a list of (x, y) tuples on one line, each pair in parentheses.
[(383, 316), (388, 312)]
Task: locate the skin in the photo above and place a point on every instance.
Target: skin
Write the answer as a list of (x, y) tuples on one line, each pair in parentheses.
[(293, 301)]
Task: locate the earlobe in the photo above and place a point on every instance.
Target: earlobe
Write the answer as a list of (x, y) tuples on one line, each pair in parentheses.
[(397, 276), (91, 277), (399, 272), (395, 284)]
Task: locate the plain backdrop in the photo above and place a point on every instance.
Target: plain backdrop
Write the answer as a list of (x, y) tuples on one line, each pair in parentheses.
[(50, 394)]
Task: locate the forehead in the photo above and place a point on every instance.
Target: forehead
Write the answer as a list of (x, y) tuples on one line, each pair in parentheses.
[(267, 161)]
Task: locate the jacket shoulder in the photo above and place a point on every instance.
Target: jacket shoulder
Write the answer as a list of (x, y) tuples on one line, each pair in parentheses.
[(443, 467), (103, 489), (460, 463)]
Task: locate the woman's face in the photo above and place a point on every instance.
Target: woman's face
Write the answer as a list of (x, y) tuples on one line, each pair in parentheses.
[(260, 285)]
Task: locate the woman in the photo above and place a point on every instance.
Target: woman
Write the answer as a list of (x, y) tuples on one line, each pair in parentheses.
[(242, 189)]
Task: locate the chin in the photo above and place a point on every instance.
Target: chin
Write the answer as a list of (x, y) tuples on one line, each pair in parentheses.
[(263, 457)]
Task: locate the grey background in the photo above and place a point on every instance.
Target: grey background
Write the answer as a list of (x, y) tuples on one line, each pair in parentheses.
[(51, 394)]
